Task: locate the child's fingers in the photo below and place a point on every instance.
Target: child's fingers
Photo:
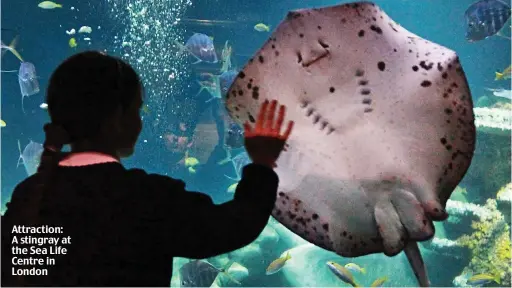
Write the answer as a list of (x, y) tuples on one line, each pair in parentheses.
[(270, 116), (288, 130), (261, 116), (280, 119)]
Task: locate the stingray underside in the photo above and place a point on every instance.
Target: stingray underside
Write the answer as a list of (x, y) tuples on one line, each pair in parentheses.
[(384, 127)]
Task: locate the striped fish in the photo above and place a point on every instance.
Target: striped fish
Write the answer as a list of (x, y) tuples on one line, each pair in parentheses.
[(485, 18)]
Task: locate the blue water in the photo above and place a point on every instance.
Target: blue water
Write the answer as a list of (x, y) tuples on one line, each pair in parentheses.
[(44, 42)]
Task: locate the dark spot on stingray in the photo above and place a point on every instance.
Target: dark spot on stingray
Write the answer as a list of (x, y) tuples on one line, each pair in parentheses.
[(237, 109), (276, 53), (381, 65), (415, 68), (250, 80), (241, 75), (361, 33), (425, 65), (301, 35), (304, 104), (308, 220), (363, 82), (444, 75), (450, 66), (445, 95), (331, 129), (325, 226), (443, 141), (299, 57), (310, 112), (284, 202), (344, 233), (316, 119), (319, 27), (331, 89), (252, 119), (368, 110), (314, 216), (261, 58), (314, 228), (454, 85), (287, 197), (436, 210), (240, 92), (374, 19), (320, 237), (367, 101), (450, 166), (292, 216), (323, 125), (439, 66), (323, 44), (376, 29), (410, 50), (350, 237), (394, 50), (278, 212), (366, 91), (359, 72), (343, 20), (249, 85), (281, 194), (354, 246), (425, 83), (449, 147), (448, 111), (255, 94), (273, 46)]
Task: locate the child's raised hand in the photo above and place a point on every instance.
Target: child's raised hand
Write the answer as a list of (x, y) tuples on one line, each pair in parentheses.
[(265, 142)]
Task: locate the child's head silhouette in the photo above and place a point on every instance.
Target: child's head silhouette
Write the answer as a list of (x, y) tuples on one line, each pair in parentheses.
[(94, 102)]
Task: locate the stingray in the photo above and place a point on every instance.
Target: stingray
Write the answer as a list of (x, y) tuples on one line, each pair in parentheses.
[(384, 128), (30, 156)]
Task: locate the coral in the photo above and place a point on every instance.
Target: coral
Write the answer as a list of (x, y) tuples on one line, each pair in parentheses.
[(493, 120), (489, 245), (457, 209), (505, 193)]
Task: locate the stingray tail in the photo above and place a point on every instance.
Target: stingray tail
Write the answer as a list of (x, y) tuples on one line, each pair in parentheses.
[(413, 254)]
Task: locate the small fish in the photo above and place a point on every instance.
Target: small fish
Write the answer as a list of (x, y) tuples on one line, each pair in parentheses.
[(49, 5), (43, 106), (2, 123), (379, 281), (342, 273), (355, 268), (232, 188), (485, 18), (278, 264), (260, 27), (191, 161), (71, 32), (30, 156), (503, 75), (191, 170), (503, 93), (235, 136), (145, 109), (201, 47), (481, 279), (72, 43), (11, 48)]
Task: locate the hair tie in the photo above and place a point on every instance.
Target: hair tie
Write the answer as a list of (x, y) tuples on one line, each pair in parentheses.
[(56, 137)]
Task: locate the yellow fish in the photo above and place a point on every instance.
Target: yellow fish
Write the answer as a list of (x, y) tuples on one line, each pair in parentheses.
[(232, 188), (191, 161), (342, 273), (481, 279), (503, 75), (191, 170), (72, 43), (379, 281), (260, 27), (2, 123), (12, 48), (49, 5), (355, 268), (277, 264)]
